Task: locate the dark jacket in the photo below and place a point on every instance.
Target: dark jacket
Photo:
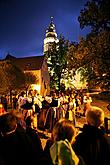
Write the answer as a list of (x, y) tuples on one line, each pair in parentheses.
[(48, 160), (16, 148), (93, 145), (36, 145)]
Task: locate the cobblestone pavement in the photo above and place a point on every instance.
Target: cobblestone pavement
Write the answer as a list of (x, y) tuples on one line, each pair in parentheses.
[(81, 120)]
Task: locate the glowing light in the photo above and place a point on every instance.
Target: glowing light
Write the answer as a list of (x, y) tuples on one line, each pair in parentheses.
[(36, 87)]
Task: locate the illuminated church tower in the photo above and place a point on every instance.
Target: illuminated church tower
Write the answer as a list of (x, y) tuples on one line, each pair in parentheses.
[(51, 36)]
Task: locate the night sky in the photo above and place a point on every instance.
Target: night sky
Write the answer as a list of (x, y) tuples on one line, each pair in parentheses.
[(23, 24)]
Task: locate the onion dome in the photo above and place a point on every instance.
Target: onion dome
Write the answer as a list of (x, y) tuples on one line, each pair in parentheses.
[(51, 32)]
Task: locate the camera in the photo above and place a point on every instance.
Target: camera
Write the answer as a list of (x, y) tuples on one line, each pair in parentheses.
[(107, 124)]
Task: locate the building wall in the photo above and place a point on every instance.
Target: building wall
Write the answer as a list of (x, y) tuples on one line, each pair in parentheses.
[(37, 74), (45, 79), (43, 84)]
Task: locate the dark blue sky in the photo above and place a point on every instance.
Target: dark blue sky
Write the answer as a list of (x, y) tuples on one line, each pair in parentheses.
[(23, 24)]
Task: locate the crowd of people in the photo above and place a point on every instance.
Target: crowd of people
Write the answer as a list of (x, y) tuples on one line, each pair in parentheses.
[(49, 109), (68, 145)]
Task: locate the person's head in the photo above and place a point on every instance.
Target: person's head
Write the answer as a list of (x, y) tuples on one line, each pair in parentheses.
[(63, 129), (22, 93), (8, 123), (54, 95), (95, 116), (87, 94), (35, 92), (30, 93)]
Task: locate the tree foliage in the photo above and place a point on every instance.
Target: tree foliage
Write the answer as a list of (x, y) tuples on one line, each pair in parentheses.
[(57, 62), (96, 14), (93, 52), (11, 77)]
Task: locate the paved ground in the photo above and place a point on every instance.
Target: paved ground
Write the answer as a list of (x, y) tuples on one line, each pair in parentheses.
[(80, 121), (103, 105)]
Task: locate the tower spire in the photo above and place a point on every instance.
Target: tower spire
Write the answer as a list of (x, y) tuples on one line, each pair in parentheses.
[(51, 19), (51, 35)]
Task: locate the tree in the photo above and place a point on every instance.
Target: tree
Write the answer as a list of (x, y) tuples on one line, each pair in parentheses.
[(93, 52), (12, 78), (57, 62), (96, 14)]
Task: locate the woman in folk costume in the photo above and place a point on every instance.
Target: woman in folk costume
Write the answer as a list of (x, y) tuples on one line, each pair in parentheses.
[(21, 101), (37, 100), (28, 107), (61, 106), (52, 113), (70, 114)]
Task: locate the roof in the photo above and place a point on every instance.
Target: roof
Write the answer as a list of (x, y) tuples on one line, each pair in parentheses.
[(28, 63)]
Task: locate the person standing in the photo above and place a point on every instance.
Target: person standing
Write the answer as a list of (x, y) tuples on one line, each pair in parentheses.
[(92, 143), (4, 102), (58, 149), (15, 100), (21, 101), (87, 100), (16, 147), (37, 105), (36, 141)]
